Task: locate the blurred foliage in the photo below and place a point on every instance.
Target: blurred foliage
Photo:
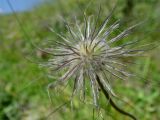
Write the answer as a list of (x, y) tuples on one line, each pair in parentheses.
[(23, 85)]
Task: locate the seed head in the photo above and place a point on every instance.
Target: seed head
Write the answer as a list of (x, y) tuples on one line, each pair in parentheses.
[(87, 53)]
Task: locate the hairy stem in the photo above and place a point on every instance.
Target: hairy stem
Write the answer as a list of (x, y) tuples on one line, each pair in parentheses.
[(111, 101)]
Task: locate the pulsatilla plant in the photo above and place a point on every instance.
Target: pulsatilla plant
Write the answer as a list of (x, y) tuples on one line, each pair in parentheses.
[(87, 53)]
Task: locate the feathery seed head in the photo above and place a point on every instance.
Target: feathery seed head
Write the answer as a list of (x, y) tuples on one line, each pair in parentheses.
[(87, 53)]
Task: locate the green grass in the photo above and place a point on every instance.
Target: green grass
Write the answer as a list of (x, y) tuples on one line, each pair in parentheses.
[(23, 84)]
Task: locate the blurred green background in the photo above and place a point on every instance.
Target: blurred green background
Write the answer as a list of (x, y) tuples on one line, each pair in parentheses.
[(23, 94)]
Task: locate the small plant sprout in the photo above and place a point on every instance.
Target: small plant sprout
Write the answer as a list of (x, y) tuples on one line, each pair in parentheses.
[(87, 53)]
